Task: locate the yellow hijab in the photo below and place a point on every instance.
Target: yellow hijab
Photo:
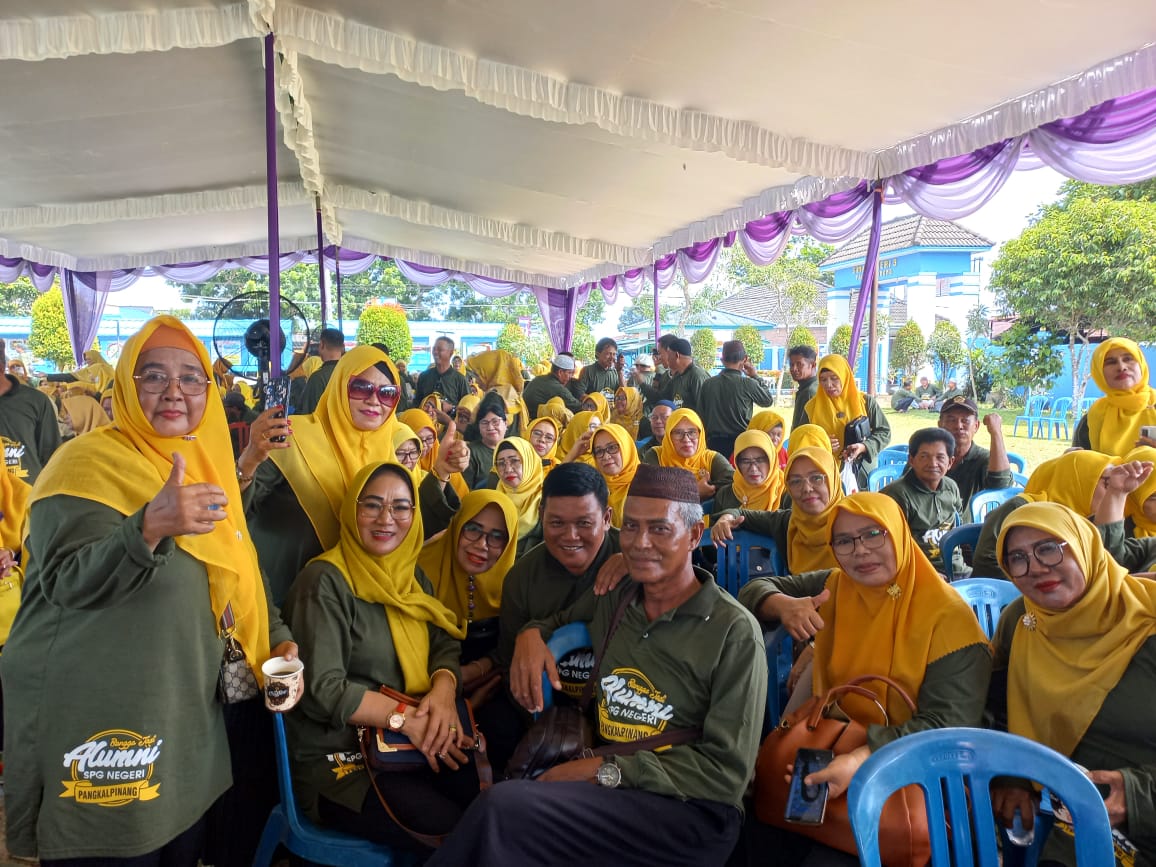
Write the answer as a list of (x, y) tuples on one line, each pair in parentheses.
[(310, 365), (527, 496), (766, 496), (497, 367), (439, 560), (1142, 525), (417, 420), (403, 433), (1060, 672), (246, 392), (633, 415), (85, 413), (767, 420), (808, 541), (545, 421), (97, 371), (470, 402), (123, 467), (876, 630), (601, 405), (390, 581), (1114, 420), (328, 451), (1071, 480), (669, 456), (578, 425), (14, 495), (833, 413), (555, 408), (619, 484), (807, 436)]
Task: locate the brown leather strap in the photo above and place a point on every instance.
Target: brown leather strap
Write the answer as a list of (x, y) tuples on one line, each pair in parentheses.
[(619, 612), (431, 840)]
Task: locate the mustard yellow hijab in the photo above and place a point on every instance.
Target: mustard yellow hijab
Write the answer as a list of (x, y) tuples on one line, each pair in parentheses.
[(403, 433), (84, 413), (767, 420), (1071, 480), (668, 454), (578, 425), (878, 630), (327, 451), (808, 540), (123, 467), (527, 496), (545, 421), (619, 484), (439, 560), (555, 408), (97, 371), (310, 365), (470, 402), (807, 436), (601, 405), (1142, 525), (833, 413), (497, 367), (633, 415), (764, 497), (1114, 420), (390, 581), (418, 420), (1060, 672), (14, 495)]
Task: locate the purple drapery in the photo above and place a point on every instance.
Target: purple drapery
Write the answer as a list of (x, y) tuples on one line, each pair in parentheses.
[(870, 265), (84, 299)]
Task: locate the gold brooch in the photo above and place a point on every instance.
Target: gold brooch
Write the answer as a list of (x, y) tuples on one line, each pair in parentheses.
[(1029, 622), (894, 591)]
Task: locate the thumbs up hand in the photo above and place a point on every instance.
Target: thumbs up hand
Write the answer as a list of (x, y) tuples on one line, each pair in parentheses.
[(453, 455), (179, 509)]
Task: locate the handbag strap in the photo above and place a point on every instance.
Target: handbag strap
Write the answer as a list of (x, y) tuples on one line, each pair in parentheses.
[(434, 841), (668, 738), (619, 612), (854, 686)]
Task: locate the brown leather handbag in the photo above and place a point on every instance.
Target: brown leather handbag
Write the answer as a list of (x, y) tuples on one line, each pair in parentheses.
[(818, 724)]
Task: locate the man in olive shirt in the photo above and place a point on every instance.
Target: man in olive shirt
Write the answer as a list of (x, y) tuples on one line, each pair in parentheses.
[(685, 658), (929, 499), (330, 348), (604, 375), (442, 378), (686, 377), (804, 370), (553, 384), (726, 401), (973, 468), (927, 394), (28, 429)]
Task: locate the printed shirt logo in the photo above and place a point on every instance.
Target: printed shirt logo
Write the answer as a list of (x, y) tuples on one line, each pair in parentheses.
[(932, 536), (574, 670), (14, 457), (113, 768), (631, 707), (345, 764)]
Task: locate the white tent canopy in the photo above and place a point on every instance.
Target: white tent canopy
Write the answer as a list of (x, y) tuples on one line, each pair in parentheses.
[(536, 142)]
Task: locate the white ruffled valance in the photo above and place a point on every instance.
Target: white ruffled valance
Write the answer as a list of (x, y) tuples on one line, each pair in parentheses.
[(208, 253)]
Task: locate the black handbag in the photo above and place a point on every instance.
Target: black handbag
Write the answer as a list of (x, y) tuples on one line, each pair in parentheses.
[(856, 431)]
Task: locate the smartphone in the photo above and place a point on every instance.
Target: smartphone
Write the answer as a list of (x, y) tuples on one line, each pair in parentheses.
[(276, 393), (807, 805), (1148, 431)]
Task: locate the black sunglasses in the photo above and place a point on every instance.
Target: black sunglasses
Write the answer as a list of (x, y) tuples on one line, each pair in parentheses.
[(361, 389)]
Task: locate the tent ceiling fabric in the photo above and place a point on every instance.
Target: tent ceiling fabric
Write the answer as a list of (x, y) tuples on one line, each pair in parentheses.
[(541, 143)]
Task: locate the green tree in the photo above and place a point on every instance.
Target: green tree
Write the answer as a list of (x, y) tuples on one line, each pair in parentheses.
[(1030, 360), (583, 343), (908, 350), (802, 336), (978, 325), (16, 298), (840, 342), (1145, 191), (49, 336), (945, 350), (386, 323), (705, 348), (1085, 264), (752, 342), (513, 340)]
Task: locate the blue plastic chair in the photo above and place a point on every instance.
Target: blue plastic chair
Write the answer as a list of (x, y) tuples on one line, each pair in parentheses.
[(288, 827), (1033, 414), (879, 478), (985, 501), (988, 597), (1085, 405), (567, 639), (892, 455), (961, 763), (1019, 480), (1056, 417), (734, 567), (965, 534), (1017, 461), (780, 658)]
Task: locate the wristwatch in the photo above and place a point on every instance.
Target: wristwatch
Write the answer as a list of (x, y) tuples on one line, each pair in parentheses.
[(397, 718), (609, 774)]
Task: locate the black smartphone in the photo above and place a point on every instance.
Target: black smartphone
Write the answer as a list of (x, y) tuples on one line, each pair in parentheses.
[(807, 805), (276, 393)]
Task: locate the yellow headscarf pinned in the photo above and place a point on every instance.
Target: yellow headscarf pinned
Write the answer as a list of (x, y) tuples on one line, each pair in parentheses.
[(1143, 525), (601, 406), (619, 484), (123, 467), (327, 451), (527, 496), (764, 497), (544, 421), (808, 545), (439, 560), (668, 454), (876, 630), (1062, 670), (1114, 420), (402, 434), (833, 413), (390, 581), (633, 415), (807, 436), (418, 420), (1071, 480)]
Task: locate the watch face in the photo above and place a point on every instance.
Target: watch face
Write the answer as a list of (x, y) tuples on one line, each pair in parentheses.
[(609, 775), (396, 721)]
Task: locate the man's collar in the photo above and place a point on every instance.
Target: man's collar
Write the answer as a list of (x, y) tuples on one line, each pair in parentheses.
[(700, 605)]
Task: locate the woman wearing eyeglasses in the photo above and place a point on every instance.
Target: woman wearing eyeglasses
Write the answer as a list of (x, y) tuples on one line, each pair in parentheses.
[(483, 437), (772, 424), (684, 446), (836, 404), (520, 477), (1075, 669), (542, 434), (436, 514), (759, 484), (596, 403), (883, 610), (616, 458), (369, 618), (628, 409)]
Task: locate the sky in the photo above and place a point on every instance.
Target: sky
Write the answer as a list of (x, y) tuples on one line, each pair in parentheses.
[(1003, 218)]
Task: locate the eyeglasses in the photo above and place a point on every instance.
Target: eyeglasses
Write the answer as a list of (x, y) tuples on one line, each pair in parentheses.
[(471, 532), (504, 464), (156, 382), (606, 451), (687, 436), (751, 463), (407, 454), (1047, 553), (872, 541), (491, 424), (543, 437), (362, 389), (372, 508), (798, 483)]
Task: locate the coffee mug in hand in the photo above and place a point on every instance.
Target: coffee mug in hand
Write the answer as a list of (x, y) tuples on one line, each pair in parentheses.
[(284, 683)]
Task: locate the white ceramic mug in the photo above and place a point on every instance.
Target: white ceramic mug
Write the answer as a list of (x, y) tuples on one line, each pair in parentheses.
[(284, 682)]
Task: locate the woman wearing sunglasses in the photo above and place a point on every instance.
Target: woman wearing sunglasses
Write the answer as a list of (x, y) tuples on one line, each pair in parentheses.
[(1075, 669)]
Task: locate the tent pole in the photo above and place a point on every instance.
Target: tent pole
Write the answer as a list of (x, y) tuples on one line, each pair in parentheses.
[(337, 273), (657, 317), (872, 334), (321, 268), (274, 229)]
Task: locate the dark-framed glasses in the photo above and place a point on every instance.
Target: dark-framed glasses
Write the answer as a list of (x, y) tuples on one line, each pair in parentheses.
[(374, 507), (363, 389), (155, 382), (1048, 553), (872, 540), (408, 454), (798, 483), (511, 464), (473, 531), (606, 451), (689, 436), (542, 436), (751, 463)]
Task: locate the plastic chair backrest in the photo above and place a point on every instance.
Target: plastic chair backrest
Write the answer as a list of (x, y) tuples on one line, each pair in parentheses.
[(1017, 461), (988, 597), (984, 501), (965, 534), (960, 763), (735, 567), (567, 639), (882, 476), (1037, 404), (1085, 405), (892, 456), (1020, 480), (1061, 407), (780, 658)]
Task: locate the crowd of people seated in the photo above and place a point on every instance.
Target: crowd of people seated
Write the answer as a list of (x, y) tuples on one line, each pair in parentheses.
[(430, 534)]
